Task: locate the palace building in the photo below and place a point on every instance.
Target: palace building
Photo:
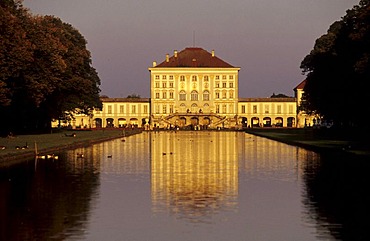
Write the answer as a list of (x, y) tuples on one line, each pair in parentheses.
[(195, 89)]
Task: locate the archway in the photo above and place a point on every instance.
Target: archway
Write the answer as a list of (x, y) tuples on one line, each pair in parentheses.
[(98, 123), (244, 122), (121, 122), (279, 122), (182, 122), (110, 122), (255, 121), (290, 122), (194, 121), (266, 122)]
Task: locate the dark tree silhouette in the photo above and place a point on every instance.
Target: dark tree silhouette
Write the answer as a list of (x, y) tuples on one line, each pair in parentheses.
[(338, 70), (45, 70)]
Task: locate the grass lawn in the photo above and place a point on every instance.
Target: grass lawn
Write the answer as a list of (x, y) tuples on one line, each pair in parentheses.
[(12, 147), (334, 140)]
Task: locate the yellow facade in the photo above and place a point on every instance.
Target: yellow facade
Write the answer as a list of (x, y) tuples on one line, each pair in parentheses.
[(267, 112), (116, 112), (194, 89)]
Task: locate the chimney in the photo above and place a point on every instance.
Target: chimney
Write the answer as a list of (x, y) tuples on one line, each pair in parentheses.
[(175, 53), (213, 53), (167, 58), (154, 63), (194, 62)]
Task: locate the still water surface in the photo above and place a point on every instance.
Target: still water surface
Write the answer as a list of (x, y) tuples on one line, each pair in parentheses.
[(186, 186)]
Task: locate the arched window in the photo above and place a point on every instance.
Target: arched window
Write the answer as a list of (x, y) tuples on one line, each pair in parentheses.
[(231, 94), (206, 108), (182, 108), (194, 108), (182, 95), (206, 95), (194, 95), (224, 94)]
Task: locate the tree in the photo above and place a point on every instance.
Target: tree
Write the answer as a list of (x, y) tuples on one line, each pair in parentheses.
[(279, 96), (45, 69), (134, 96), (338, 69)]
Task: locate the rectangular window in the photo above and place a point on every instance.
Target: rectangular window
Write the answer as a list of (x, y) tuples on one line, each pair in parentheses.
[(156, 84), (164, 95), (145, 109), (121, 109), (231, 77), (171, 84), (164, 84), (171, 95), (171, 77), (157, 109), (157, 95), (171, 109), (109, 109), (267, 109), (279, 109), (224, 95), (157, 77), (224, 77), (217, 108), (231, 85), (254, 109), (243, 108), (182, 96), (217, 84), (224, 109), (133, 109), (164, 109), (164, 77), (231, 94), (206, 96), (217, 95), (291, 109), (217, 77), (223, 84)]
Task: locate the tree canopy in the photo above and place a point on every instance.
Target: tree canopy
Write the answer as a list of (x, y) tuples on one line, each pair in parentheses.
[(338, 69), (45, 69)]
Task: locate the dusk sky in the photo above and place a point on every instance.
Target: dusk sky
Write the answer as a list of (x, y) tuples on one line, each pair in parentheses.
[(267, 39)]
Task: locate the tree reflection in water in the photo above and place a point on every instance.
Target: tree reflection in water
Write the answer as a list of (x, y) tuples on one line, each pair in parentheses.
[(338, 196), (202, 185), (49, 200)]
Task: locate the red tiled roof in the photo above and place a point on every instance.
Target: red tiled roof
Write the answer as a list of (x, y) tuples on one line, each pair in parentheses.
[(133, 100), (268, 99), (194, 57), (301, 85)]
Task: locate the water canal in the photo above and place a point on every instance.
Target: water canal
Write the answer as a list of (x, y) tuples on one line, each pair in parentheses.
[(186, 186)]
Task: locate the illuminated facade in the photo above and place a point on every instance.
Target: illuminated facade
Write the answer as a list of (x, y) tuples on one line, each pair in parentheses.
[(195, 89)]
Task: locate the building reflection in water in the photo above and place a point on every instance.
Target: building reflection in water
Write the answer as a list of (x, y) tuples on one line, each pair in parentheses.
[(262, 158), (124, 156), (194, 174)]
